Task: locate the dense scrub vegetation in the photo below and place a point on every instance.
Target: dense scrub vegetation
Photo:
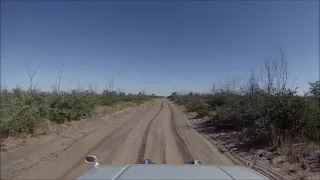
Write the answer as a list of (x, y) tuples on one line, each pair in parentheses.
[(265, 117), (263, 108), (22, 110)]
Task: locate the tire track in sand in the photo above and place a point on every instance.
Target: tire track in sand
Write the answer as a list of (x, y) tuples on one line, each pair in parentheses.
[(183, 148), (164, 141), (163, 146), (104, 145), (145, 136), (155, 147)]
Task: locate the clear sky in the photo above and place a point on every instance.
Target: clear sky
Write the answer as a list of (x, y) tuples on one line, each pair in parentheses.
[(158, 47)]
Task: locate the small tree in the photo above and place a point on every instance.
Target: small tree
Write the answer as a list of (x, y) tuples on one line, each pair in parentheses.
[(315, 89)]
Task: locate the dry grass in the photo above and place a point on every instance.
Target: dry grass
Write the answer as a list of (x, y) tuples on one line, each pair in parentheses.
[(99, 110)]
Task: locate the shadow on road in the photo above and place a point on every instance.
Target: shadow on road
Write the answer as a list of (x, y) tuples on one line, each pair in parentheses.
[(226, 134)]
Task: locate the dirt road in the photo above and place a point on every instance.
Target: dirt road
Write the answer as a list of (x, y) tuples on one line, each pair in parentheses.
[(157, 130)]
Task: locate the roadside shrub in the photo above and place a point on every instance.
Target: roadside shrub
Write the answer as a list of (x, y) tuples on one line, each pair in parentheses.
[(217, 100), (311, 119), (227, 116), (108, 98), (315, 89), (268, 117), (71, 106), (21, 111), (199, 106)]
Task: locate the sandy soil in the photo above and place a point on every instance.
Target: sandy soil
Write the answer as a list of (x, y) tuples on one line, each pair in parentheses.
[(158, 130)]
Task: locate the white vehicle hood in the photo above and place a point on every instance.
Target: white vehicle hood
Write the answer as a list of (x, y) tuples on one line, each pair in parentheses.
[(173, 172)]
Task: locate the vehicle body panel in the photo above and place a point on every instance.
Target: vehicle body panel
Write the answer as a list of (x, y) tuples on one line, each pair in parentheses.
[(173, 172)]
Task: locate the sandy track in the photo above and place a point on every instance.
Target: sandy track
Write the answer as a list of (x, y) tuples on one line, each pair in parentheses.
[(158, 130)]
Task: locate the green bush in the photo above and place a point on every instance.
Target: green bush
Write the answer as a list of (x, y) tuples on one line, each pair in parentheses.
[(21, 111), (311, 119), (199, 106), (71, 106), (315, 89), (267, 117), (217, 100), (276, 117)]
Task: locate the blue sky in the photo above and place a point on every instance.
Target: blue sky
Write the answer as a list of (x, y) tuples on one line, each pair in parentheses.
[(158, 47)]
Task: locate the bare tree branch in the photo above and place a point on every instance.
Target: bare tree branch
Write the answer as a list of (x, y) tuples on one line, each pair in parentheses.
[(283, 71), (274, 76), (270, 70), (58, 79), (111, 84), (31, 73)]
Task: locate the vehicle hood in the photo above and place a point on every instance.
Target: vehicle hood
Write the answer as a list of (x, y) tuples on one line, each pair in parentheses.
[(173, 172)]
